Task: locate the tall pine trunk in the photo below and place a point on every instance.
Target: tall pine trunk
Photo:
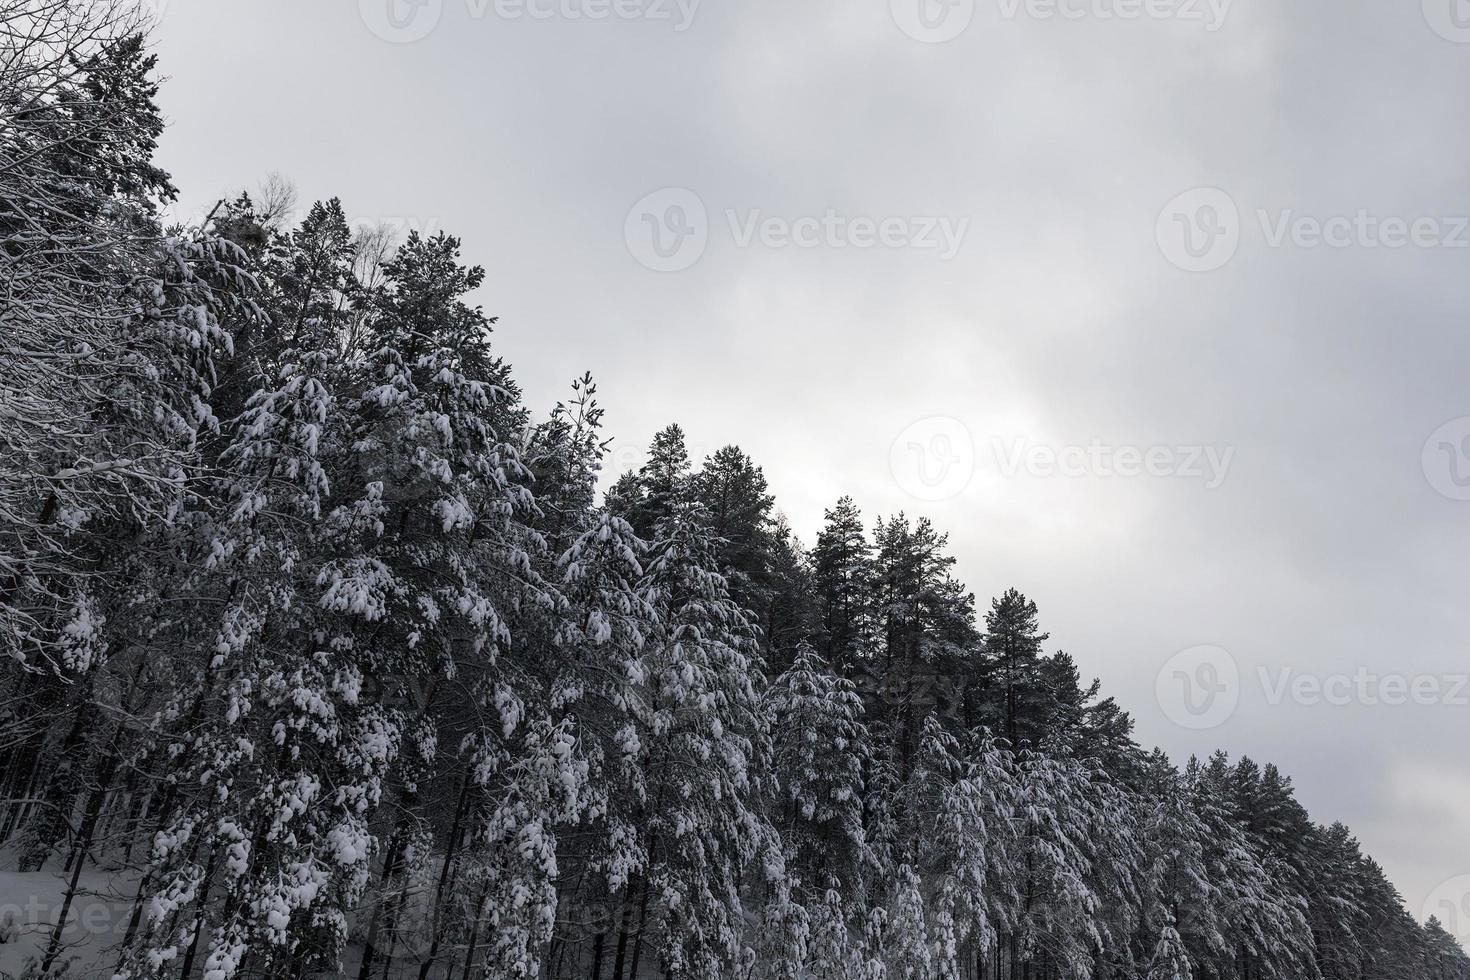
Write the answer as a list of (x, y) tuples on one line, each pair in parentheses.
[(450, 853), (83, 845)]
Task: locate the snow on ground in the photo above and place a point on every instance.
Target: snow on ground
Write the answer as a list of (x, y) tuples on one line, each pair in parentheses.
[(30, 905)]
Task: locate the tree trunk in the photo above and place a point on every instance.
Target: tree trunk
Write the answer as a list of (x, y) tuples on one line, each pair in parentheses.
[(89, 822), (390, 868), (469, 958), (597, 942), (449, 856), (188, 967), (622, 953), (642, 921)]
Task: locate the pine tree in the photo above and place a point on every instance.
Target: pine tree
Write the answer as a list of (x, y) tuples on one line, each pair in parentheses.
[(705, 748), (907, 950), (1013, 643), (1169, 961), (842, 578), (661, 486), (833, 953), (820, 749), (959, 811), (1058, 906), (790, 618), (1181, 896), (111, 326), (733, 493), (926, 621), (1444, 958), (1263, 919)]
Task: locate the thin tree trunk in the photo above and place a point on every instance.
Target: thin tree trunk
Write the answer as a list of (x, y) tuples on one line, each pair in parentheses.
[(199, 923), (597, 955), (642, 921), (60, 789), (132, 922), (469, 959), (449, 856), (622, 952), (390, 868), (94, 803)]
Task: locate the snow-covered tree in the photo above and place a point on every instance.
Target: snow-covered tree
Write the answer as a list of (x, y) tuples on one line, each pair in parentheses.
[(109, 326), (705, 749), (332, 653), (1169, 960), (821, 752)]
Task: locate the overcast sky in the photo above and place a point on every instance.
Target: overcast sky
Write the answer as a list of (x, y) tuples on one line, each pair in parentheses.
[(1157, 306)]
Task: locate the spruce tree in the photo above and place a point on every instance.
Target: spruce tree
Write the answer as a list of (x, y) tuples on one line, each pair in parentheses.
[(1013, 647), (842, 579)]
